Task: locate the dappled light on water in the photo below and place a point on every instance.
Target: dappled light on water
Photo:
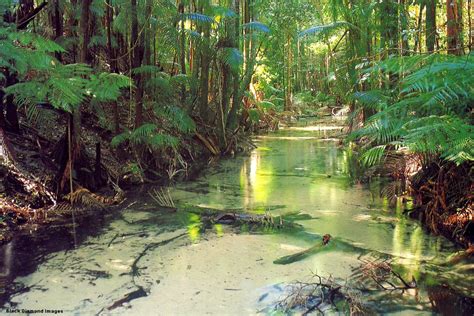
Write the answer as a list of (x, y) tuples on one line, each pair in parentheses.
[(183, 261)]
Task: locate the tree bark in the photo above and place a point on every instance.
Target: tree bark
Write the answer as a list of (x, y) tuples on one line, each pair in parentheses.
[(430, 25), (84, 32), (232, 118), (135, 43), (182, 51), (452, 27), (471, 27), (57, 23), (112, 58), (203, 99), (404, 19)]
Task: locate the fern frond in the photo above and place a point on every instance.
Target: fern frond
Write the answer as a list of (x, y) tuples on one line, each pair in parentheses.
[(106, 86), (159, 141), (120, 138), (142, 133), (232, 57), (176, 117), (256, 26), (373, 156)]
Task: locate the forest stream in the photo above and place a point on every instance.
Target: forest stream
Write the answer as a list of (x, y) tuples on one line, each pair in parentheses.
[(148, 260)]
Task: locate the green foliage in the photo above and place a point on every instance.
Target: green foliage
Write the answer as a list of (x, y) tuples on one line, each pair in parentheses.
[(196, 17), (232, 57), (431, 114), (148, 135), (256, 26), (254, 115), (325, 30), (177, 118)]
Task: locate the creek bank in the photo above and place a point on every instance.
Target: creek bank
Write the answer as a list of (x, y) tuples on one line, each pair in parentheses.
[(31, 172), (435, 192)]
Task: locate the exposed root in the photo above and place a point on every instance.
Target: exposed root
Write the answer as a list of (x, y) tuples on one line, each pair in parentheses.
[(444, 200)]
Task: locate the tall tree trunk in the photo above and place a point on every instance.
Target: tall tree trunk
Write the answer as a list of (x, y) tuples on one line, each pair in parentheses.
[(471, 27), (57, 23), (112, 58), (404, 20), (84, 31), (182, 50), (72, 25), (203, 99), (74, 125), (232, 118), (430, 25), (196, 63), (419, 28), (452, 27), (288, 74), (135, 43)]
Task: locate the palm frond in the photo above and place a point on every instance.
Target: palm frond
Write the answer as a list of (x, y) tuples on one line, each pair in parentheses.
[(232, 57), (196, 17), (325, 29)]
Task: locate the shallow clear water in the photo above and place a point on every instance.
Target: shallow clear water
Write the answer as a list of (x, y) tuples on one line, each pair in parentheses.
[(222, 272)]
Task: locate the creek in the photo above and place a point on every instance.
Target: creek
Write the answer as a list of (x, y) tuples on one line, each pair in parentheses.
[(147, 260)]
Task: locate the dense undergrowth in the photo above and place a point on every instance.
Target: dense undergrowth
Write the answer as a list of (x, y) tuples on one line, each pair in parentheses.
[(422, 136)]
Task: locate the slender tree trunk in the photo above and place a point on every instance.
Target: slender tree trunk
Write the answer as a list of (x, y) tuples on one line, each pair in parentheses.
[(247, 39), (288, 75), (430, 25), (203, 100), (471, 27), (182, 51), (419, 28)]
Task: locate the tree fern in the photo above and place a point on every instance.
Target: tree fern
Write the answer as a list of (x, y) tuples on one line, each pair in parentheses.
[(324, 30), (256, 26), (232, 57), (196, 17)]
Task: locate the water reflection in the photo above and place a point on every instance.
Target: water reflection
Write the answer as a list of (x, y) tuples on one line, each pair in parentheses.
[(301, 169)]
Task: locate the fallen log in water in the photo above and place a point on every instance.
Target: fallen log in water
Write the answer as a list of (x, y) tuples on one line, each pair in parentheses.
[(237, 218)]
